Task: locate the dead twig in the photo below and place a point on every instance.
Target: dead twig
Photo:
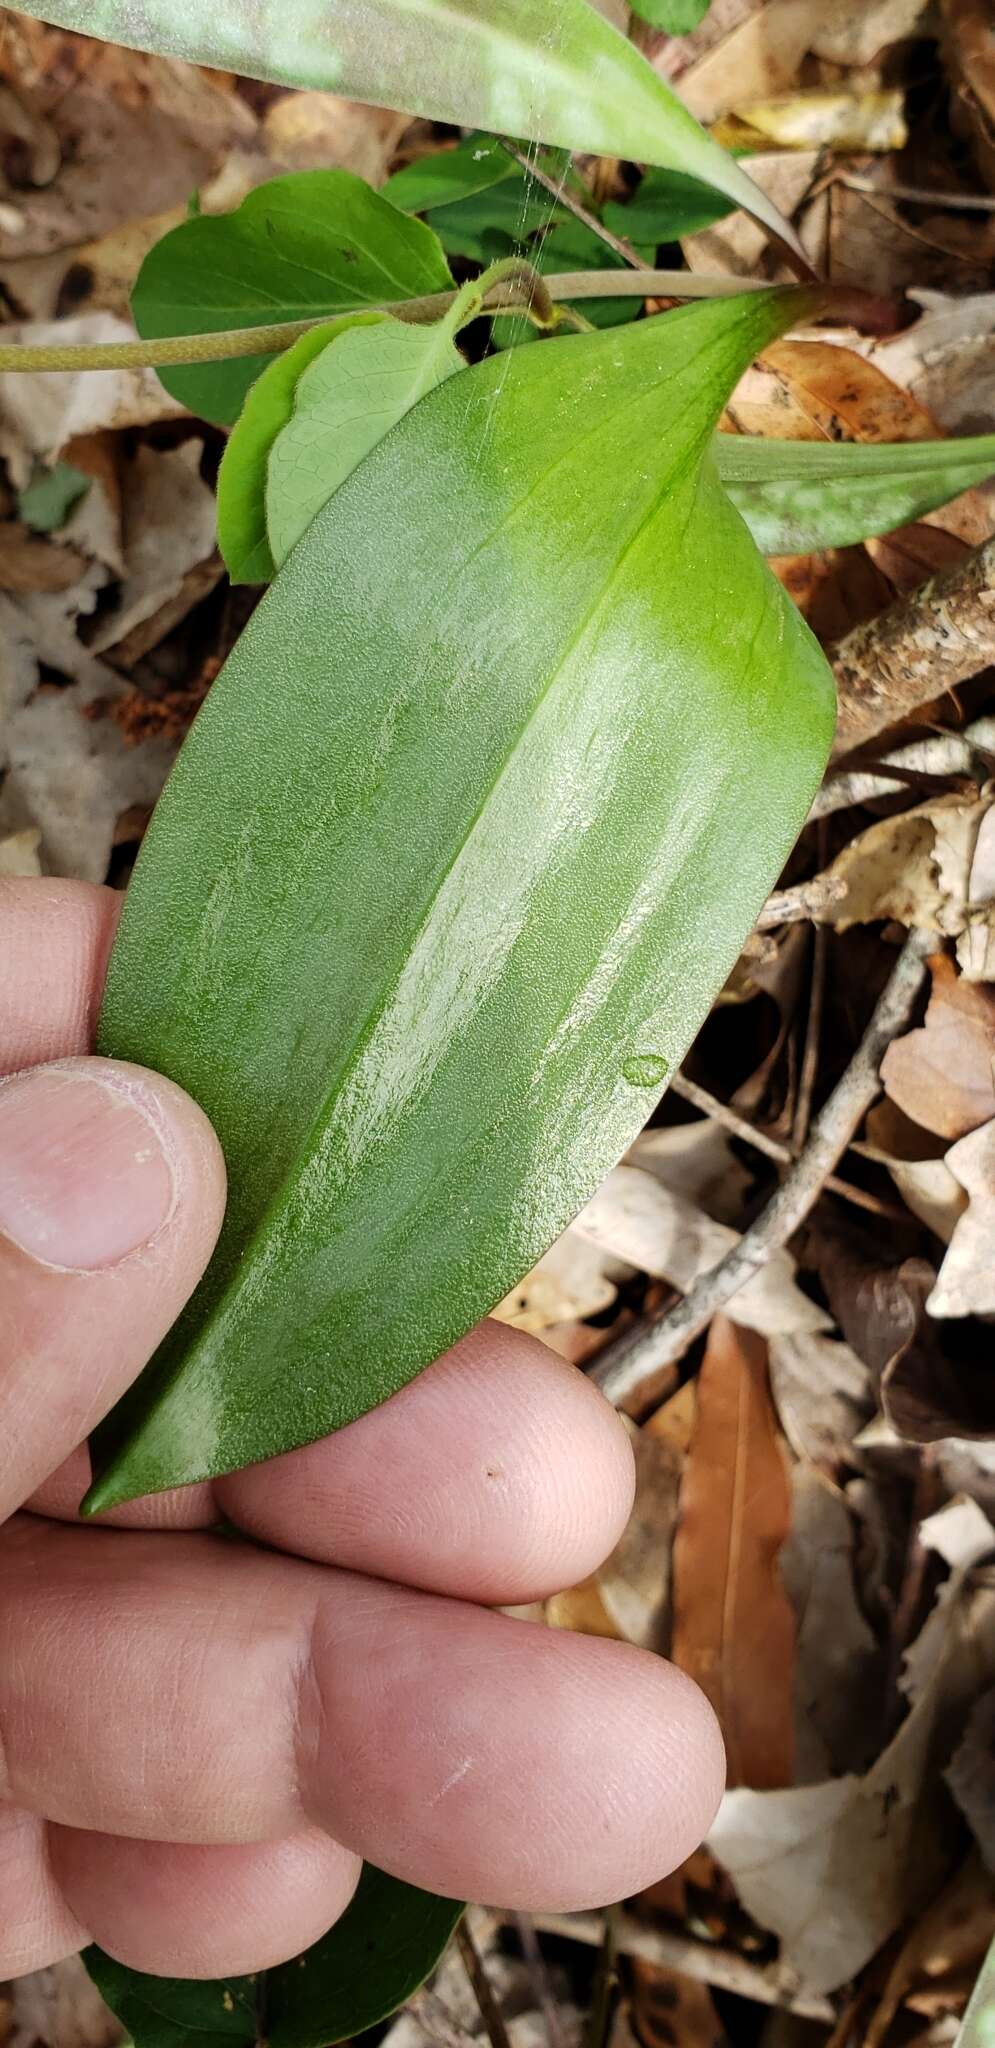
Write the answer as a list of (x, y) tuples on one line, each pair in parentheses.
[(925, 644), (490, 2013), (561, 192), (806, 899), (919, 195), (775, 1148), (535, 1963), (697, 1959), (813, 1030), (644, 1349)]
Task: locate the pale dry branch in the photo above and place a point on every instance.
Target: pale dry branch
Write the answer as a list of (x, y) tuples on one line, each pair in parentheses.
[(644, 1350), (931, 640)]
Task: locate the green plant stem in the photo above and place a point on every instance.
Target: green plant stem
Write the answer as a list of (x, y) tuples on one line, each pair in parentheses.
[(224, 346)]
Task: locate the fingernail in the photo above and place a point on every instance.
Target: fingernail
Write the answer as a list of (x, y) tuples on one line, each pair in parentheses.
[(84, 1176)]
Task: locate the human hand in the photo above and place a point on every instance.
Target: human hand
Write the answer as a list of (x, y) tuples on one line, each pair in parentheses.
[(200, 1739)]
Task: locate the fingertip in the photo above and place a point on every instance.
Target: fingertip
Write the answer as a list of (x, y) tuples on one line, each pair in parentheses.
[(179, 1910), (499, 1475), (55, 940)]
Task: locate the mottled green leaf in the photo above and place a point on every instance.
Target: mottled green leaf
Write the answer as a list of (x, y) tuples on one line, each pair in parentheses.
[(518, 67), (664, 207), (242, 534), (310, 243), (477, 162), (377, 1955), (797, 496), (511, 753)]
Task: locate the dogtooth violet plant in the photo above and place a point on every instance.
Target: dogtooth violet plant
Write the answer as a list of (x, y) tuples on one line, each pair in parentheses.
[(514, 746)]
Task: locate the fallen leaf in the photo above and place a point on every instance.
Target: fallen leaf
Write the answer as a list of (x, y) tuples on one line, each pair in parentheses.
[(118, 125), (966, 1282), (635, 1218), (971, 1775), (734, 246), (943, 1075), (815, 390), (576, 1278), (833, 1869), (733, 1625), (669, 2008), (762, 54), (946, 359), (840, 1668), (929, 866), (634, 1583), (952, 1934), (29, 562), (695, 1161), (19, 854), (968, 44), (169, 524), (822, 1393), (316, 131), (915, 1160), (69, 772), (819, 119)]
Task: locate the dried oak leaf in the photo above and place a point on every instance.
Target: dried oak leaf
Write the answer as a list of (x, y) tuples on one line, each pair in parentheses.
[(943, 1075), (966, 1282), (734, 1629)]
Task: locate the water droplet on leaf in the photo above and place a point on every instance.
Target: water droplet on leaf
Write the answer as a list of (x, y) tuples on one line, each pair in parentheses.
[(645, 1070)]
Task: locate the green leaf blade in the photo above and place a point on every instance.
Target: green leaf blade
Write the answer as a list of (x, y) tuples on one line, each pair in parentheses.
[(344, 403), (303, 245), (546, 729), (499, 65), (242, 535), (387, 1942), (799, 496)]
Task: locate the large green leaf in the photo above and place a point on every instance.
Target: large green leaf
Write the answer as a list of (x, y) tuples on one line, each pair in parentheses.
[(309, 243), (800, 495), (560, 73), (380, 1951), (452, 864)]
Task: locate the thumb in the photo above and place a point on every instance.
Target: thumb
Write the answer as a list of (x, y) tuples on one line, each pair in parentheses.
[(112, 1190)]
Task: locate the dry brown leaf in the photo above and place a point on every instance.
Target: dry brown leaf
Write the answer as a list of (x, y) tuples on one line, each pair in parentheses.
[(916, 1161), (819, 119), (733, 247), (122, 125), (170, 521), (733, 1625), (833, 1869), (943, 1075), (670, 2010), (575, 1279), (822, 1393), (696, 1161), (816, 390), (953, 1934), (840, 1668), (69, 772), (30, 562), (971, 1776), (969, 54), (762, 52), (930, 866), (312, 131), (946, 359), (874, 236), (966, 1282), (635, 1218)]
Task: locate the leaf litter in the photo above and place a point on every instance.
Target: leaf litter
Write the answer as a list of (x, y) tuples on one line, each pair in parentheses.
[(814, 1528)]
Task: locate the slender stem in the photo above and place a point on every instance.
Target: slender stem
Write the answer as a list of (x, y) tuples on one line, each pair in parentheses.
[(772, 1148), (920, 195), (490, 2011), (174, 350), (564, 197)]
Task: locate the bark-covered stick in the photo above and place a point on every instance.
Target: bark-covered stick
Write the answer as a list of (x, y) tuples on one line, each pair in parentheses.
[(928, 642)]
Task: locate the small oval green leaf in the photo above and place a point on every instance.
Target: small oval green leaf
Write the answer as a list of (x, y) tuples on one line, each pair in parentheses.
[(512, 751), (345, 402), (376, 1956), (310, 243), (797, 496), (562, 74), (242, 535)]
